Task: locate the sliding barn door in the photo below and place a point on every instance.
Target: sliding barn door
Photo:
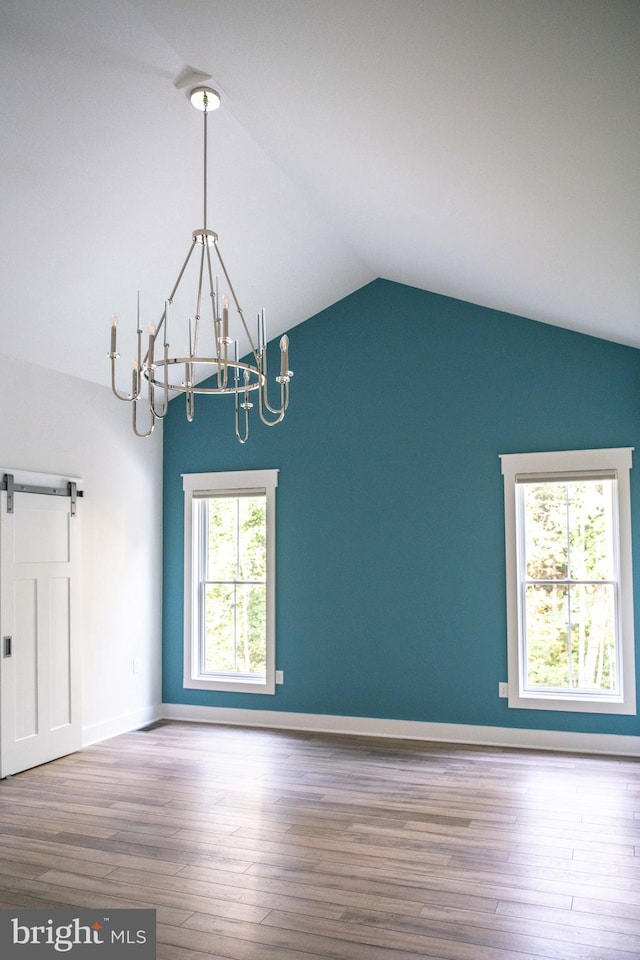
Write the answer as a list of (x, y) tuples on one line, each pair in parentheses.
[(39, 660)]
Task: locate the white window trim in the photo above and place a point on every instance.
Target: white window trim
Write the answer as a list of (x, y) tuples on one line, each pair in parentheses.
[(199, 484), (618, 459)]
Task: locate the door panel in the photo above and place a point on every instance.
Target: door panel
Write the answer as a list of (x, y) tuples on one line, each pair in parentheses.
[(25, 659), (40, 680), (60, 639), (41, 532)]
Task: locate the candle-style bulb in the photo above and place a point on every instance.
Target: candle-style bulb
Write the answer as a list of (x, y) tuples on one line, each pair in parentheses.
[(114, 324), (152, 340), (225, 320), (259, 335), (284, 358)]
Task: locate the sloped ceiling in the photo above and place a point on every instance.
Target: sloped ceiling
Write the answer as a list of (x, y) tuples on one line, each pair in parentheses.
[(484, 149)]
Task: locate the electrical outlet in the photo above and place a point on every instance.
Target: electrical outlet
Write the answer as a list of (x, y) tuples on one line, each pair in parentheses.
[(279, 676), (503, 689)]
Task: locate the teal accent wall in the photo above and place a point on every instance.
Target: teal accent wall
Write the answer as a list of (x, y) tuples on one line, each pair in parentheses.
[(390, 520)]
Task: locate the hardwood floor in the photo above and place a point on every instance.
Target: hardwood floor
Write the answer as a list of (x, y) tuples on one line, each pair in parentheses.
[(263, 845)]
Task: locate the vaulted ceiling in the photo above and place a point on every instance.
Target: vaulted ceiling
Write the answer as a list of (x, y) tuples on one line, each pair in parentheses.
[(484, 149)]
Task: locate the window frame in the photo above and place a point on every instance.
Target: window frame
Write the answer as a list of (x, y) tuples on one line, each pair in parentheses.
[(226, 483), (564, 463)]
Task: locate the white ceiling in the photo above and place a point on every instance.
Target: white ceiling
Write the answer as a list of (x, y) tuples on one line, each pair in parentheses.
[(484, 149)]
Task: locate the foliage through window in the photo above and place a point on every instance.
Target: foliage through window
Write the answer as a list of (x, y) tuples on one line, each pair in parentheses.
[(233, 585), (569, 585), (570, 615), (229, 591)]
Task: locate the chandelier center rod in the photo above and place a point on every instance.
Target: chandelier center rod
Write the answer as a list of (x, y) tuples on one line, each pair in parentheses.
[(204, 191), (205, 99)]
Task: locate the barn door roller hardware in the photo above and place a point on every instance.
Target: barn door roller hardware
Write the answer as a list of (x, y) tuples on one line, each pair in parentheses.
[(70, 489)]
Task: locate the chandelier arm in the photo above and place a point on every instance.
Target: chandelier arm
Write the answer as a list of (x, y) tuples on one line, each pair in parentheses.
[(199, 300), (241, 437), (161, 414), (114, 355), (246, 406), (190, 403), (136, 385), (150, 375), (215, 310), (279, 412), (134, 420), (213, 295), (264, 394), (121, 396), (175, 288), (188, 390), (235, 300), (284, 388), (180, 275)]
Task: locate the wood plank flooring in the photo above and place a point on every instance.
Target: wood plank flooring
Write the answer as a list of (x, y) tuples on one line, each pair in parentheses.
[(263, 845)]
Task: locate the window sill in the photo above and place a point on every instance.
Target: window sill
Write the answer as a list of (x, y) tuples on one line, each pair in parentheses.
[(264, 685), (576, 704)]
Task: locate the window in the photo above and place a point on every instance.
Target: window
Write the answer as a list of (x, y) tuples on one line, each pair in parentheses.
[(230, 581), (569, 581)]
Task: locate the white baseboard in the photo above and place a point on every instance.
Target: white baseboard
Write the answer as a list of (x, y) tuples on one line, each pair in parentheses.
[(411, 730), (126, 722)]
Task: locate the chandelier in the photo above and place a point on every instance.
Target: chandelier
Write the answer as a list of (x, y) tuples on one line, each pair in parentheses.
[(209, 363)]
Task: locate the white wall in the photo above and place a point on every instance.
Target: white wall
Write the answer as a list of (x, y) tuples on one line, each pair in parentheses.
[(52, 423)]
